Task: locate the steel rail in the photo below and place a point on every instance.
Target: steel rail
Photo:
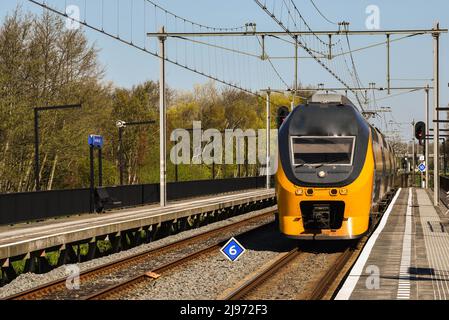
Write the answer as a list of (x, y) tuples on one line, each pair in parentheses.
[(60, 284), (257, 281), (117, 290), (324, 284)]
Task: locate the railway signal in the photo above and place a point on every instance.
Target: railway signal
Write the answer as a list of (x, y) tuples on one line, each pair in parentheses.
[(420, 131), (282, 114)]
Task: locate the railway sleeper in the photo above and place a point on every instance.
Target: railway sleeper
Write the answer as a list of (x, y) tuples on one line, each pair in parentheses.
[(87, 249)]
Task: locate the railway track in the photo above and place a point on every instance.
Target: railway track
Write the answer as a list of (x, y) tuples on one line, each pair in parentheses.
[(48, 289), (116, 291), (324, 284), (260, 279), (319, 289), (322, 287)]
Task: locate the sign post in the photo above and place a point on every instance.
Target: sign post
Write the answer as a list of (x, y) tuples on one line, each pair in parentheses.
[(95, 142)]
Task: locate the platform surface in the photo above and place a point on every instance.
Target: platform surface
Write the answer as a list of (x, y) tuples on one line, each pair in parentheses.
[(407, 257), (24, 238)]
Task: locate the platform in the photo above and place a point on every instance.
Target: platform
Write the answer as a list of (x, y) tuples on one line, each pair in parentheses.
[(23, 239), (407, 257)]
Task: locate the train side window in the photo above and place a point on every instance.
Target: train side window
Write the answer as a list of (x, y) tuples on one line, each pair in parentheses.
[(374, 134), (375, 146)]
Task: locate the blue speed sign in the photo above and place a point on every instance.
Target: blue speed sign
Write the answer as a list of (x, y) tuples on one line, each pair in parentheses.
[(233, 249)]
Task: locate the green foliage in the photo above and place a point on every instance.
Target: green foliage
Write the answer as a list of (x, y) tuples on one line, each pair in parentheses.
[(43, 64)]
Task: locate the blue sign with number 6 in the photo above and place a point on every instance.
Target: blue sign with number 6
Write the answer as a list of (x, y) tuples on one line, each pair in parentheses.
[(233, 249)]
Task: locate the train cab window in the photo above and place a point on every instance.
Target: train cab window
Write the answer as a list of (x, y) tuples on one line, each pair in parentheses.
[(322, 150)]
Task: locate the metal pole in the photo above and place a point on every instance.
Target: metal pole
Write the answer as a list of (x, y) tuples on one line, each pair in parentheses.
[(263, 56), (296, 72), (426, 143), (92, 178), (176, 166), (246, 158), (268, 125), (388, 64), (120, 143), (413, 153), (100, 167), (36, 149), (436, 126), (444, 156), (162, 122)]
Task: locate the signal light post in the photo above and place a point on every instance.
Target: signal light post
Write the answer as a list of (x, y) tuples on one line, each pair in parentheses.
[(282, 113), (420, 135)]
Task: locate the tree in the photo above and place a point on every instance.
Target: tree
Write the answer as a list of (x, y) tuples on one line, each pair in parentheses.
[(41, 64)]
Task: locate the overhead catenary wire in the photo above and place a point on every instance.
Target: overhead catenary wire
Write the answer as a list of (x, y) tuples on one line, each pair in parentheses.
[(358, 82), (273, 67), (193, 22), (143, 49), (336, 55), (300, 43), (321, 14), (306, 24), (117, 36), (398, 94)]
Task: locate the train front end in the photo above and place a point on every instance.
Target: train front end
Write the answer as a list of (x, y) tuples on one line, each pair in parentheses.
[(324, 182)]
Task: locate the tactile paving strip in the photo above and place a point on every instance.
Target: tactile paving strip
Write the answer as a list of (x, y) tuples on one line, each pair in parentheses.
[(437, 246)]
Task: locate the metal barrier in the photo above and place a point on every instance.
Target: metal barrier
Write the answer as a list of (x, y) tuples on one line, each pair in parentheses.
[(31, 206), (444, 183)]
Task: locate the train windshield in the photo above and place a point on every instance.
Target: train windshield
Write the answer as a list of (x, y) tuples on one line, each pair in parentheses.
[(322, 150)]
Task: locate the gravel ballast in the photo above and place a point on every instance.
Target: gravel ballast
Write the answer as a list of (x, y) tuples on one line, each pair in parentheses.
[(209, 276), (29, 280)]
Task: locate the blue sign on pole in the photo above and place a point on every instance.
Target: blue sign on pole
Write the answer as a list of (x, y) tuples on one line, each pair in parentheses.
[(233, 249), (95, 141), (422, 167)]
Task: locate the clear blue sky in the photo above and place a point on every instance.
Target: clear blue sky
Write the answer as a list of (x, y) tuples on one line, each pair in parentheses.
[(411, 58)]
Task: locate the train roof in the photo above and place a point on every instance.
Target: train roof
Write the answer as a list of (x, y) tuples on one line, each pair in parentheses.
[(325, 97)]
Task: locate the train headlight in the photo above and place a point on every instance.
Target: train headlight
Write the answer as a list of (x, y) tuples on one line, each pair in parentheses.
[(309, 192), (299, 192), (343, 191), (333, 192), (321, 174)]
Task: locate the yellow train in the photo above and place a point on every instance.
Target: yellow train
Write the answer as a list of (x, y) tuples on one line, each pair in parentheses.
[(334, 170)]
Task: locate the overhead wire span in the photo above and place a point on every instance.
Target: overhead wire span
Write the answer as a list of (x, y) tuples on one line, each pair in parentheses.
[(301, 44), (193, 22), (274, 68), (321, 14), (358, 82), (336, 55), (307, 49), (306, 24), (398, 94), (219, 47), (376, 45), (145, 50)]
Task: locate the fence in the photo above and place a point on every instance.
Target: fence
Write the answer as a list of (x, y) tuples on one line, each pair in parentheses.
[(30, 206), (444, 183)]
